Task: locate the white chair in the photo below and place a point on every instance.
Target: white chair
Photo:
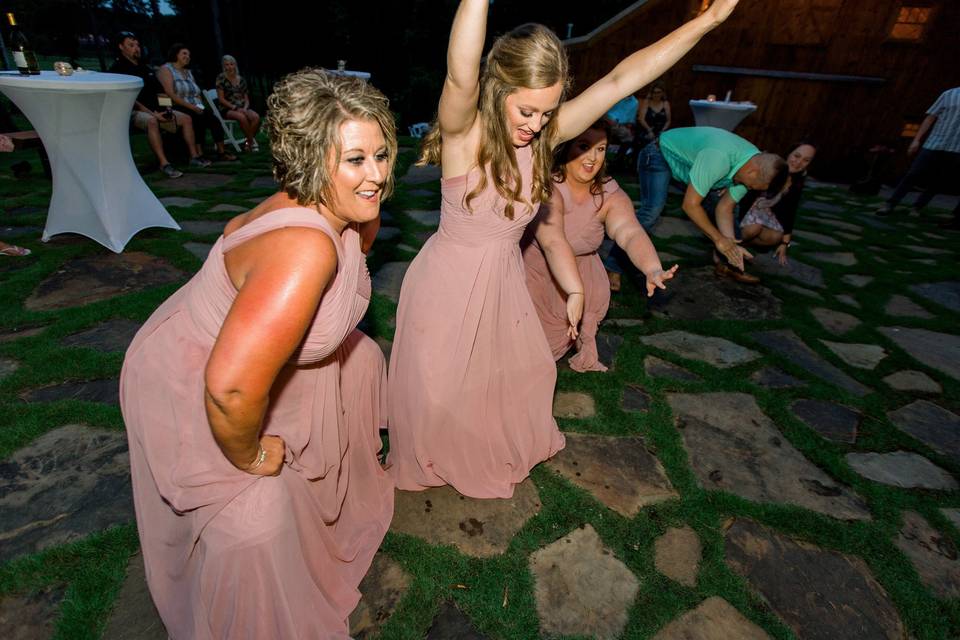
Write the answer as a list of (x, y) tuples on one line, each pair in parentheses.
[(228, 125), (417, 130)]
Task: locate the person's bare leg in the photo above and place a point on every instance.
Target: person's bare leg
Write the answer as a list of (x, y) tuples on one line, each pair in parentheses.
[(750, 231), (186, 127), (254, 119), (156, 142), (768, 238), (241, 117)]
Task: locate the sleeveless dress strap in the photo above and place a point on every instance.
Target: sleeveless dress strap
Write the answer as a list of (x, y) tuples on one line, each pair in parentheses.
[(279, 219)]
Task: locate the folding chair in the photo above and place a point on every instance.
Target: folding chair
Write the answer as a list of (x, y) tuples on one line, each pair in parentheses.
[(228, 125)]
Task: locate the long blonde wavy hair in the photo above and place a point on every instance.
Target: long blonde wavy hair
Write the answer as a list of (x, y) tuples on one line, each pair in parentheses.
[(304, 115), (528, 57)]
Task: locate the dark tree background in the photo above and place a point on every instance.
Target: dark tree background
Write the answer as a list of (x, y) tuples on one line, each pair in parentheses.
[(402, 43)]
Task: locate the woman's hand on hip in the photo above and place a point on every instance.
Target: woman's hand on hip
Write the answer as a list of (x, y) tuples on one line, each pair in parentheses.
[(274, 449)]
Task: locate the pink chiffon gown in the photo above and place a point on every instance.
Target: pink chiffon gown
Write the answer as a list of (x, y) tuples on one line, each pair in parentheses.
[(471, 375), (229, 554), (583, 225)]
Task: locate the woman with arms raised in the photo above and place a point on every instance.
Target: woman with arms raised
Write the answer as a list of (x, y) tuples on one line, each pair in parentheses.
[(252, 404), (591, 205), (471, 374)]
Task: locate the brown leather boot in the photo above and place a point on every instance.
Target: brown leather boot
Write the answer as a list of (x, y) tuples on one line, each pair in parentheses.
[(725, 271)]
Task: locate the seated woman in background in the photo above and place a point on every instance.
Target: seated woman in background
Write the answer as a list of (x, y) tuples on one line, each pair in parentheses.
[(12, 250), (770, 216), (591, 204), (177, 81), (233, 100)]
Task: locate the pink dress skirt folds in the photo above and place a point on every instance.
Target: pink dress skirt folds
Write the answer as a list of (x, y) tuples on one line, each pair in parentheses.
[(585, 231), (230, 555), (471, 375)]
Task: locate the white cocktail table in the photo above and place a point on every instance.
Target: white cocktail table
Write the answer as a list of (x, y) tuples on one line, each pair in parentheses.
[(83, 121), (723, 115)]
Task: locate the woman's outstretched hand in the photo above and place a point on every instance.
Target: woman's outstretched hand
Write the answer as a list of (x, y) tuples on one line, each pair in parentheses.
[(655, 279), (574, 313), (720, 10)]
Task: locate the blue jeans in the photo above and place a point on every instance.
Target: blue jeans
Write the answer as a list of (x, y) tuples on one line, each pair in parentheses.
[(654, 177)]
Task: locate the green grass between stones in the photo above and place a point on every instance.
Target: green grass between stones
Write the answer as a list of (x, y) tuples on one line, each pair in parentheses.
[(497, 593)]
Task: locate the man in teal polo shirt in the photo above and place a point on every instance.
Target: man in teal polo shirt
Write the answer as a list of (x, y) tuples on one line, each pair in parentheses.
[(706, 159)]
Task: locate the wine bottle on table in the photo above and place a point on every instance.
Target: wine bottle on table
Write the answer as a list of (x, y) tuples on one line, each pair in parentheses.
[(23, 55)]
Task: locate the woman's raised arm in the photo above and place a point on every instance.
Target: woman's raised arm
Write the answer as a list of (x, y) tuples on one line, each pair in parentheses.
[(637, 70), (461, 89)]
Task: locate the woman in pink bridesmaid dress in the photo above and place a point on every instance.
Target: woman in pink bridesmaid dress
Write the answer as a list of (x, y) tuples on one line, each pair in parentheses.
[(252, 403), (471, 374), (591, 205)]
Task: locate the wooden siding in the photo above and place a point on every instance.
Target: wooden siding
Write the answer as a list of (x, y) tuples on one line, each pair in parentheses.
[(836, 37)]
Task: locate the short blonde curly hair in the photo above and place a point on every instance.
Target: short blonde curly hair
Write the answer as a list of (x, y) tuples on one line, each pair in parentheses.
[(304, 115)]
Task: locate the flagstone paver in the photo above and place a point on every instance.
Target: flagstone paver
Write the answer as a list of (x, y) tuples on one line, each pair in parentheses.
[(819, 238), (451, 624), (847, 299), (820, 594), (904, 307), (840, 224), (940, 351), (427, 218), (30, 616), (479, 528), (179, 201), (803, 291), (768, 264), (901, 469), (658, 368), (421, 175), (953, 515), (946, 294), (930, 251), (382, 588), (859, 355), (389, 278), (913, 381), (203, 227), (773, 378), (199, 249), (228, 208), (8, 366), (717, 352), (696, 294), (581, 588), (17, 334), (106, 391), (134, 616), (620, 472), (932, 554), (836, 322), (263, 182), (677, 554), (573, 404), (733, 446), (85, 280), (668, 227), (608, 346), (815, 205), (844, 259), (832, 421), (931, 424), (856, 280), (387, 233), (68, 483), (113, 335), (788, 344), (193, 181), (712, 619), (634, 399)]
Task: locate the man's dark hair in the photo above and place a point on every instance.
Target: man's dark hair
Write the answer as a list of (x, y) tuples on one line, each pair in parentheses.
[(123, 35)]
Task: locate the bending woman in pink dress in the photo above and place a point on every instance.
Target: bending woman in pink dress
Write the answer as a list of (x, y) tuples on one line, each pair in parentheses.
[(253, 404), (590, 204), (471, 373)]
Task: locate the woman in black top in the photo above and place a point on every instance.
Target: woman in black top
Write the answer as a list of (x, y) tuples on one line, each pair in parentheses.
[(653, 113), (770, 216)]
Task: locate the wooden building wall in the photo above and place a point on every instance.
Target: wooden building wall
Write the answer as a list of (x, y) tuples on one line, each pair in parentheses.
[(837, 37)]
